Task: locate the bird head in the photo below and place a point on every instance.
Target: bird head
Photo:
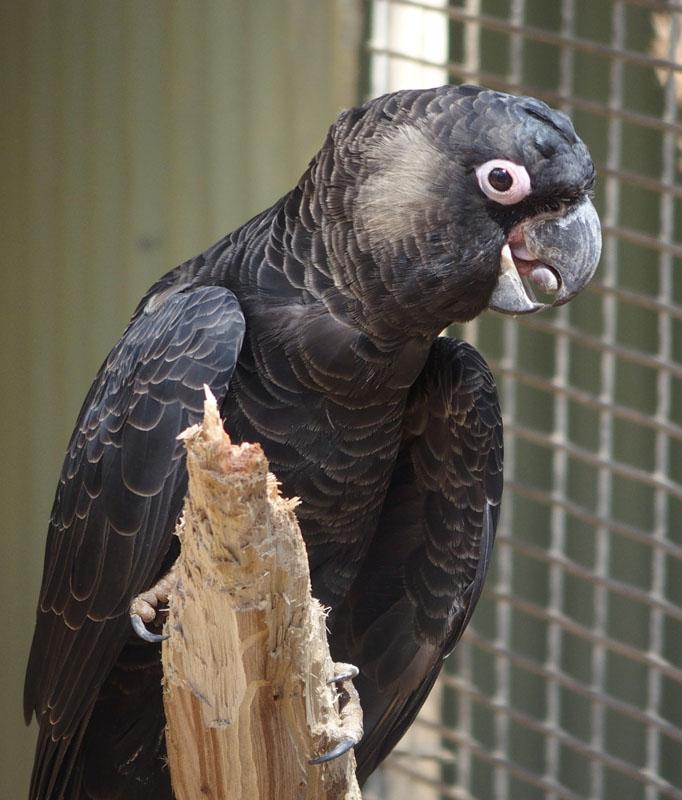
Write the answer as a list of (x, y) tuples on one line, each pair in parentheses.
[(464, 198)]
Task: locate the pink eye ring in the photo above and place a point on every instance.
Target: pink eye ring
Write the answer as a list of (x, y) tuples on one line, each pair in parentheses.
[(503, 181)]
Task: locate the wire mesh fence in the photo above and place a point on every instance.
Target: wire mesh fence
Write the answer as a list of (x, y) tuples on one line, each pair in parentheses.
[(568, 683)]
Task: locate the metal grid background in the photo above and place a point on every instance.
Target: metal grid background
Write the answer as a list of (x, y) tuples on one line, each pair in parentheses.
[(568, 683)]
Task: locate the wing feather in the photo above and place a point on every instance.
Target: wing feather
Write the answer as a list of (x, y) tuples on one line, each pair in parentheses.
[(116, 504), (425, 569)]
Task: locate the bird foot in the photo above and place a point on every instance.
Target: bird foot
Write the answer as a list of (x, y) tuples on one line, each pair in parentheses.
[(350, 729), (144, 609)]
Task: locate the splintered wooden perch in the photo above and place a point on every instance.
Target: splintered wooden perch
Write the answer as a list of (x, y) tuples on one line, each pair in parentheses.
[(246, 666)]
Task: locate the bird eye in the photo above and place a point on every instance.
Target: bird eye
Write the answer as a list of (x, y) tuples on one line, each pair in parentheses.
[(500, 179), (503, 181)]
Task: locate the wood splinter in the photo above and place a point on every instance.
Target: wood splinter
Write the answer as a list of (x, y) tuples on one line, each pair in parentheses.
[(247, 668)]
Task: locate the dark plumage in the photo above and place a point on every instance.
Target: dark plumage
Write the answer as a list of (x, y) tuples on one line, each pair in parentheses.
[(316, 326)]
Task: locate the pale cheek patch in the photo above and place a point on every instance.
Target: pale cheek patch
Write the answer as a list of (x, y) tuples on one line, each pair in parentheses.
[(399, 196)]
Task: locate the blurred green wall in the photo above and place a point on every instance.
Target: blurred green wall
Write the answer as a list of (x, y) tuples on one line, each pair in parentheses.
[(134, 135)]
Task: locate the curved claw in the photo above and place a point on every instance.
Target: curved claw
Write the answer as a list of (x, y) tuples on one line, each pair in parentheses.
[(349, 674), (143, 633), (342, 747), (350, 711)]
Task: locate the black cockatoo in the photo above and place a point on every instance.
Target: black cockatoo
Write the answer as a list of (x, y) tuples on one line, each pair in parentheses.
[(316, 325)]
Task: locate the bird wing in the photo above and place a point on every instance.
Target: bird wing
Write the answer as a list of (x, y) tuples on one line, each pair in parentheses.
[(120, 493), (425, 569)]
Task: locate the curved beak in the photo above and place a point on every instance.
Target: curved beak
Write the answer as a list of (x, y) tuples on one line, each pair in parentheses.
[(558, 254)]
